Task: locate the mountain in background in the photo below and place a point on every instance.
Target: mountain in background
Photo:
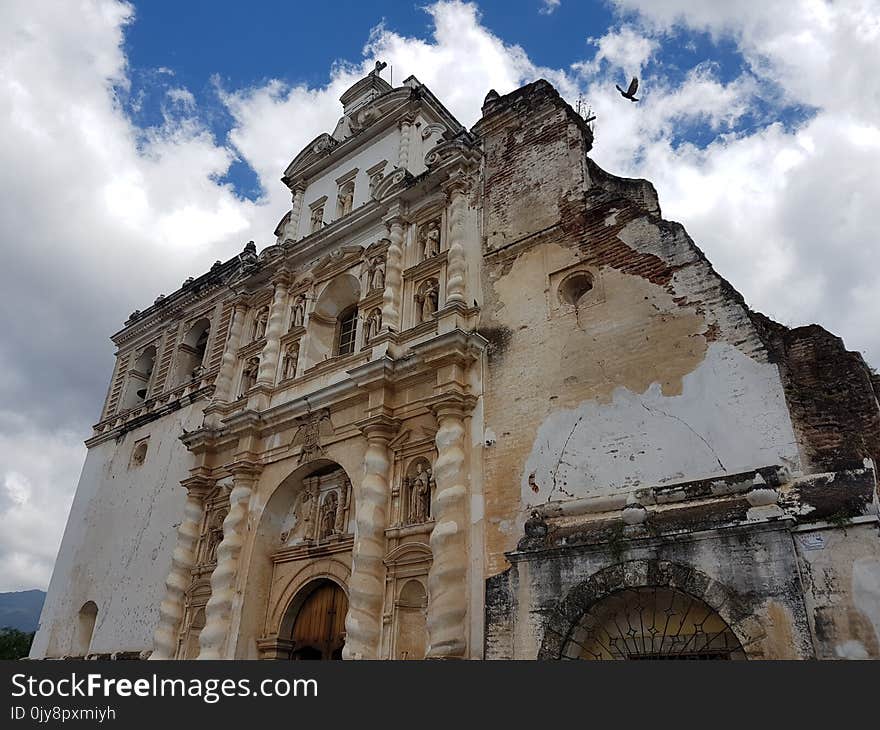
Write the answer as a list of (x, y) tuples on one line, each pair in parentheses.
[(21, 610)]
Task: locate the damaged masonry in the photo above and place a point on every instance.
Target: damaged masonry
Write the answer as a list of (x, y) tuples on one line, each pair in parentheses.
[(478, 400)]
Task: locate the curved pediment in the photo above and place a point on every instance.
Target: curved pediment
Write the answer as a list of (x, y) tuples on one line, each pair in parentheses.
[(317, 149), (396, 180)]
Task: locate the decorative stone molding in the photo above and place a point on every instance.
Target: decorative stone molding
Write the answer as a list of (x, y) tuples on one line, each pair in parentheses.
[(213, 639), (403, 153), (224, 385), (393, 275), (182, 561), (363, 623), (292, 227), (274, 331), (456, 263), (447, 578)]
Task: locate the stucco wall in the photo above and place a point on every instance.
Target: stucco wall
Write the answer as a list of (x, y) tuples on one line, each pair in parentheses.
[(117, 545)]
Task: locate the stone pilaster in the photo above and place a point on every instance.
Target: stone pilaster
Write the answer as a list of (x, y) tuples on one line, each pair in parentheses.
[(393, 274), (292, 228), (180, 575), (456, 262), (215, 635), (271, 352), (224, 385), (363, 624), (447, 577)]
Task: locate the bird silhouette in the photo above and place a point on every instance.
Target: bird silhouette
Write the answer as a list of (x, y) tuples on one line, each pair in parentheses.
[(630, 92)]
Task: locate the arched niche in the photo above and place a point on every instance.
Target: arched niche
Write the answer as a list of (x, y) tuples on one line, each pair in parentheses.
[(336, 301), (410, 630), (290, 520), (85, 628), (139, 377), (418, 492), (191, 352)]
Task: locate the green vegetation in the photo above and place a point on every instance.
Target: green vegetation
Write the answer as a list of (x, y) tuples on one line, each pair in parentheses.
[(14, 644)]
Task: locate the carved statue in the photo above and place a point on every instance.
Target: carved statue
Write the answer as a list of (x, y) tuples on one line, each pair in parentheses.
[(377, 273), (299, 312), (328, 515), (249, 374), (291, 356), (429, 237), (427, 300), (215, 534), (344, 199), (373, 324), (260, 321), (317, 220), (420, 496)]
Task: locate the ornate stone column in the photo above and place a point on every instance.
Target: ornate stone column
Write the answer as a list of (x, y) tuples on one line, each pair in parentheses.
[(180, 575), (274, 330), (393, 274), (447, 577), (456, 263), (292, 227), (363, 624), (215, 635), (403, 151), (224, 385)]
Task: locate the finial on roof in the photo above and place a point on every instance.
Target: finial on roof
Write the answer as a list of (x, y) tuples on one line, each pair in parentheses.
[(379, 66)]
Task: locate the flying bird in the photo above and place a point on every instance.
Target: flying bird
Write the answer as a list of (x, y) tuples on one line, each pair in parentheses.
[(630, 92)]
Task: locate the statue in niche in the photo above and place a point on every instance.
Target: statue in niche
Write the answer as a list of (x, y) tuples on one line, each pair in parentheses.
[(427, 300), (215, 534), (340, 513), (299, 312), (373, 324), (291, 355), (328, 516), (249, 374), (302, 518), (429, 237), (260, 321), (377, 273), (420, 495), (317, 220), (344, 199)]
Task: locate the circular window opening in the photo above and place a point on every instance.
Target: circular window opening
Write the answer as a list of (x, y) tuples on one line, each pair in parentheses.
[(574, 287)]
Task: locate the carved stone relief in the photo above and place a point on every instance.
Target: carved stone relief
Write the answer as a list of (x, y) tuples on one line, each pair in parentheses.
[(429, 239), (426, 300)]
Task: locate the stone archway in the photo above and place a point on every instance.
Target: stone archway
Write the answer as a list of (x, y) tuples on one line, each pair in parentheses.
[(651, 609)]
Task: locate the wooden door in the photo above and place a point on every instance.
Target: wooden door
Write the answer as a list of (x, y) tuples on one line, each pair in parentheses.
[(319, 629)]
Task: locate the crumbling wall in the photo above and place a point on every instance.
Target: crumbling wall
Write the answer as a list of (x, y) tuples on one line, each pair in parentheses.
[(654, 373)]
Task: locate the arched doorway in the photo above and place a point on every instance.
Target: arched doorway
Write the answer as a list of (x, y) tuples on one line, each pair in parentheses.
[(319, 627), (656, 622)]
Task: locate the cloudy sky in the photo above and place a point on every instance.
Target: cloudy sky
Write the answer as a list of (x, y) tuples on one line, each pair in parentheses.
[(140, 142)]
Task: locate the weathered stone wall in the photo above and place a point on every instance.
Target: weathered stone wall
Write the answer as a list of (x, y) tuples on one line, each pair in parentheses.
[(118, 542), (656, 374)]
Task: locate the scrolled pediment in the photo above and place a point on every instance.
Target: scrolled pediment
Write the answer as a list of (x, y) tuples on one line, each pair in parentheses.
[(395, 181)]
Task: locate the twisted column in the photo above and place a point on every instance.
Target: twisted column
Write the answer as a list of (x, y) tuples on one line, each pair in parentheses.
[(363, 623), (403, 151), (274, 330), (447, 577), (393, 275), (180, 576), (214, 637), (456, 263), (224, 387), (292, 227)]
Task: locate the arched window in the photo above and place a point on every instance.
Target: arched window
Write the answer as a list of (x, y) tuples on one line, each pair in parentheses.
[(139, 378), (191, 352), (88, 615), (346, 331)]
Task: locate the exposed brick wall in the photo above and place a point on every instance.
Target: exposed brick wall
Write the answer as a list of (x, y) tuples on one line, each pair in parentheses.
[(830, 393)]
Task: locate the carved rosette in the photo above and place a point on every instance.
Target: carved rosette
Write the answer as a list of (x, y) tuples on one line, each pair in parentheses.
[(363, 623), (274, 331), (179, 577), (447, 577), (393, 276), (456, 263), (212, 641)]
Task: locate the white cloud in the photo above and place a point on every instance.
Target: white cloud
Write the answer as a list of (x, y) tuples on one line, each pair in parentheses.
[(98, 216), (548, 7)]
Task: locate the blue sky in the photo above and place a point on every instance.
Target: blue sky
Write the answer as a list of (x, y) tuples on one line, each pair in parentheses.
[(140, 142)]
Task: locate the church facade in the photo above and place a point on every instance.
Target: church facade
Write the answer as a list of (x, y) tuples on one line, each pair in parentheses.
[(478, 400)]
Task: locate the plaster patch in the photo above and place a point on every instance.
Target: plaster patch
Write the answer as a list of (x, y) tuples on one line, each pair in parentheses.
[(730, 416)]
